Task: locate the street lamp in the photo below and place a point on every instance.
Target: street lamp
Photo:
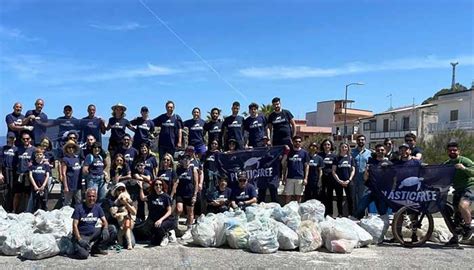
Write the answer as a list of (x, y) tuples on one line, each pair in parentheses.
[(345, 107)]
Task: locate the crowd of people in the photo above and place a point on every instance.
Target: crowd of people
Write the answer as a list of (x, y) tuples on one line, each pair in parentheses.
[(139, 194)]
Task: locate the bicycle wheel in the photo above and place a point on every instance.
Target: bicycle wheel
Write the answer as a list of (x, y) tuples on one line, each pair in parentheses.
[(407, 227)]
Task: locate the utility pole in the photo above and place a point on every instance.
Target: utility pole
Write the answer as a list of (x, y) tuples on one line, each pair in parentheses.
[(390, 96), (453, 83)]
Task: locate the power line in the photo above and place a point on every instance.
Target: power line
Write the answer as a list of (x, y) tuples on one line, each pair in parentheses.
[(204, 61)]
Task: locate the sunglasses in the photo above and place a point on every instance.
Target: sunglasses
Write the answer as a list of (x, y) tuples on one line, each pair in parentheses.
[(26, 139), (297, 141), (158, 185)]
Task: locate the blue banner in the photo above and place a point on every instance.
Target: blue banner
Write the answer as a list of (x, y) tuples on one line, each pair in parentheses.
[(262, 165), (421, 188)]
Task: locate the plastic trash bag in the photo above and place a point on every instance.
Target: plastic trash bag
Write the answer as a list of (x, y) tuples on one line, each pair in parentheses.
[(309, 236), (3, 213), (203, 232), (40, 246), (16, 238), (258, 212), (26, 218), (312, 210), (376, 226), (343, 246), (365, 238), (336, 229), (287, 238), (236, 234), (288, 215), (264, 241), (51, 223), (219, 229)]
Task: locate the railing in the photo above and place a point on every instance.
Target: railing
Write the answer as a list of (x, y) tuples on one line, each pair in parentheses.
[(391, 134), (340, 138), (451, 125)]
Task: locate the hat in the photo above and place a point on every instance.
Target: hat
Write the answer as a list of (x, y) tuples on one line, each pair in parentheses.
[(313, 144), (232, 141), (119, 105), (242, 175), (144, 109), (11, 135), (68, 107), (404, 145), (70, 143), (118, 185)]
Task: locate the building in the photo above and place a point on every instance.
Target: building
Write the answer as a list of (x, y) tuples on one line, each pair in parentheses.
[(331, 114), (395, 123), (305, 131), (455, 111)]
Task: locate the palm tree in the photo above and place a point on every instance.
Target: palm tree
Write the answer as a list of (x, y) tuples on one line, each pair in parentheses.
[(266, 109)]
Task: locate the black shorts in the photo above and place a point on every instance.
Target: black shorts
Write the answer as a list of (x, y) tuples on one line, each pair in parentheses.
[(21, 184), (464, 194), (187, 201)]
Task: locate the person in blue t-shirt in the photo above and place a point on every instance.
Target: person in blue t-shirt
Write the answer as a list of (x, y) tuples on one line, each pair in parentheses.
[(38, 176), (39, 120), (8, 174), (171, 125), (92, 125), (117, 126), (213, 128), (416, 152), (281, 124), (70, 174), (232, 128), (66, 123), (361, 156), (245, 195), (128, 151), (295, 173), (87, 238), (218, 201), (93, 170), (144, 128), (255, 126), (23, 160), (15, 121), (119, 170), (167, 173), (405, 157), (327, 180), (316, 163), (210, 169), (343, 170), (195, 127)]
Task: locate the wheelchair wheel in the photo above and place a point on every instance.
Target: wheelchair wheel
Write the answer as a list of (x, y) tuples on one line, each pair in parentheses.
[(408, 229)]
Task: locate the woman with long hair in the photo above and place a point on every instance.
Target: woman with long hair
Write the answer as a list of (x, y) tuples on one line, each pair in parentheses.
[(343, 170), (327, 180), (167, 173)]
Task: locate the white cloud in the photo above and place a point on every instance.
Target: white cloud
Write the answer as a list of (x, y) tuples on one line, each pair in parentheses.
[(15, 34), (299, 72), (129, 26)]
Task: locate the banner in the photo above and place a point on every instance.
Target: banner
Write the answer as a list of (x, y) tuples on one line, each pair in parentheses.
[(422, 188), (262, 165)]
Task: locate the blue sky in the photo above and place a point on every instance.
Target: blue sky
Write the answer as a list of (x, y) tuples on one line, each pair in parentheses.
[(210, 53)]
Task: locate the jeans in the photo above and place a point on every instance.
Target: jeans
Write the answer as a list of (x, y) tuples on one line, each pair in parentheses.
[(96, 241), (97, 182), (359, 189), (69, 196), (262, 193), (37, 201), (365, 201)]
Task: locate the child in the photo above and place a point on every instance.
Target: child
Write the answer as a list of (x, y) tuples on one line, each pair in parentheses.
[(38, 176)]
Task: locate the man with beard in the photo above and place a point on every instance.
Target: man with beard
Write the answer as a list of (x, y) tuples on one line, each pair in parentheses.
[(92, 125), (171, 126), (144, 128), (256, 127), (39, 120), (14, 122), (416, 152), (213, 128), (361, 155), (128, 151), (232, 127), (281, 124), (66, 123)]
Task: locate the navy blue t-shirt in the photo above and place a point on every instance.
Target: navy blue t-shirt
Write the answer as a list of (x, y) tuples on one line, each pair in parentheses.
[(168, 176), (39, 126), (96, 164), (66, 124), (416, 150), (281, 126), (24, 157), (73, 171), (16, 119), (87, 218), (296, 160), (117, 128), (408, 163), (218, 194), (328, 160), (315, 163), (196, 131), (121, 171), (143, 131), (7, 157), (344, 166), (185, 187), (245, 194), (256, 129), (150, 164), (129, 155), (91, 126), (170, 126), (214, 132), (234, 127), (158, 205), (38, 172)]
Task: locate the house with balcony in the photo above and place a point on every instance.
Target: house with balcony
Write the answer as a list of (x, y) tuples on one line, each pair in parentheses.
[(455, 112), (331, 114), (305, 131), (395, 123)]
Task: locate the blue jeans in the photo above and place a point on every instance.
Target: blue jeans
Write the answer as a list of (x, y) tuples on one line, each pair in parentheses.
[(37, 201), (359, 189), (97, 182), (365, 201)]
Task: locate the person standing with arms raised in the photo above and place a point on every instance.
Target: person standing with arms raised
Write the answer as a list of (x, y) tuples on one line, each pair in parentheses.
[(39, 120)]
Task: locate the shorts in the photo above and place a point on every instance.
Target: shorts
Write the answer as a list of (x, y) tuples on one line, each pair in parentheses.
[(464, 194), (21, 184), (293, 187), (187, 201)]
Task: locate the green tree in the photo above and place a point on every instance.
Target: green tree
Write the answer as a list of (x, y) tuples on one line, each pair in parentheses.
[(266, 109), (318, 138), (434, 150), (457, 87)]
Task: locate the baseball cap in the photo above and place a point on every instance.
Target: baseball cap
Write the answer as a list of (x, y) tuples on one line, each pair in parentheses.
[(119, 185), (404, 145), (144, 109), (68, 107), (11, 135)]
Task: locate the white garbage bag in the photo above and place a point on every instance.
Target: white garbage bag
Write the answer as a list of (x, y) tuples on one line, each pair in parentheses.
[(16, 238), (336, 229), (258, 212), (40, 246), (203, 232), (236, 233), (365, 238), (264, 241), (288, 215), (3, 213), (51, 222), (312, 210), (287, 238), (343, 246), (309, 236), (219, 228), (377, 226), (26, 218)]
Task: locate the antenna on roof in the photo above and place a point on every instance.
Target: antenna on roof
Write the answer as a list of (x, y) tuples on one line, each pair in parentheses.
[(391, 107)]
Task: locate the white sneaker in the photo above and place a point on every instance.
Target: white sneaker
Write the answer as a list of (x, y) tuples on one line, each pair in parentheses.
[(187, 235), (164, 242), (172, 237)]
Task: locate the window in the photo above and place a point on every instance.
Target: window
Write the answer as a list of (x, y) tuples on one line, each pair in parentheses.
[(373, 125), (454, 115), (367, 126), (406, 123), (385, 125)]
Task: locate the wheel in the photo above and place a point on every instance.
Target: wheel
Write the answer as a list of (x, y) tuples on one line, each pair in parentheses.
[(408, 229)]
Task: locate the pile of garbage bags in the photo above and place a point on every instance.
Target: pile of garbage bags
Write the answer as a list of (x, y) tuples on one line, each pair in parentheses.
[(36, 236), (266, 228)]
